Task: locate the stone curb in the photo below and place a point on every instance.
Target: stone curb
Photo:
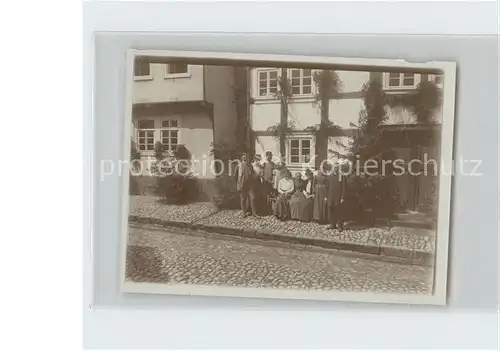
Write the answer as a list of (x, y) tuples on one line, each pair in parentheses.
[(413, 224), (408, 256)]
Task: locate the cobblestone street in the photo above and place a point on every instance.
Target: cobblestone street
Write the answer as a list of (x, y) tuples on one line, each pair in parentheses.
[(176, 255), (205, 214)]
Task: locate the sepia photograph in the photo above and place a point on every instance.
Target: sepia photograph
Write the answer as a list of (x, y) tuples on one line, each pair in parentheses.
[(277, 176)]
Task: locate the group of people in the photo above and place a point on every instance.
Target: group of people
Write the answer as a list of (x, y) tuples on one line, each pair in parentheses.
[(267, 188)]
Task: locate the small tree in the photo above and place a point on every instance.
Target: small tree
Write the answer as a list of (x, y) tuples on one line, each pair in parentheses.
[(369, 186), (369, 147), (177, 183), (422, 102)]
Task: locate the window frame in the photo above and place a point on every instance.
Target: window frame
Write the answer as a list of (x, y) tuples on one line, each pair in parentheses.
[(432, 78), (300, 140), (177, 75), (401, 86), (269, 94), (144, 77), (157, 131), (177, 128), (139, 130), (301, 79)]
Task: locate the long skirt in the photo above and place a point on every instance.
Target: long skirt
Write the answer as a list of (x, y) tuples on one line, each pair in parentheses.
[(301, 208), (320, 212), (282, 207)]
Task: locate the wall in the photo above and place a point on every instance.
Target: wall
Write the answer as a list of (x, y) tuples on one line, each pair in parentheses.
[(267, 143), (345, 111), (161, 89), (333, 144), (195, 132), (264, 114), (352, 81), (302, 113), (219, 90)]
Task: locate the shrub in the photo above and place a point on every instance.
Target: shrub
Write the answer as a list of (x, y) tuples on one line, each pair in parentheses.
[(225, 153), (178, 188), (369, 197), (226, 196), (175, 183)]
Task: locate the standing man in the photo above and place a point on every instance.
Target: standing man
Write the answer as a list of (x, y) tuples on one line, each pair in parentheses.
[(245, 186), (268, 171), (258, 183), (336, 193)]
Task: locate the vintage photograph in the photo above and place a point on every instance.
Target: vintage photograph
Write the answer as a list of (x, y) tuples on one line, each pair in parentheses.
[(287, 176)]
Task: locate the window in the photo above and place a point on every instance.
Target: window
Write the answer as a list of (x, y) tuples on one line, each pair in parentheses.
[(145, 135), (400, 80), (268, 82), (300, 151), (169, 134), (301, 81), (438, 79), (142, 68), (177, 68)]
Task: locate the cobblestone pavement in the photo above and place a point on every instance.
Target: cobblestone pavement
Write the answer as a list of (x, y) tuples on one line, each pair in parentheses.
[(192, 257), (396, 237), (147, 206)]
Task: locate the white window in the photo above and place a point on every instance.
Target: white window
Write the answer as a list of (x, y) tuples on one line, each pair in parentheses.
[(300, 151), (142, 69), (301, 81), (177, 70), (400, 80), (169, 134), (438, 79), (268, 82), (145, 135)]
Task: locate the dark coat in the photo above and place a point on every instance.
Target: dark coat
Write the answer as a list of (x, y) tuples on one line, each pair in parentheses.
[(336, 189), (244, 176), (267, 171)]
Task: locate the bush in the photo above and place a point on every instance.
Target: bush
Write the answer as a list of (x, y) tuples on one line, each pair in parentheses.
[(177, 188), (369, 197), (226, 197), (175, 183)]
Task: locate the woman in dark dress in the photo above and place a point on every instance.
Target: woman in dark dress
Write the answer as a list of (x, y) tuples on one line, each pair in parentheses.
[(301, 204), (320, 212), (285, 191), (296, 197)]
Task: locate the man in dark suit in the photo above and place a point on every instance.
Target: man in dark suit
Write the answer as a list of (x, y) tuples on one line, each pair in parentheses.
[(246, 187), (336, 194), (268, 179)]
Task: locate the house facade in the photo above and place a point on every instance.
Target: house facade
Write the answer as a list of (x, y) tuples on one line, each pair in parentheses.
[(303, 113), (182, 104)]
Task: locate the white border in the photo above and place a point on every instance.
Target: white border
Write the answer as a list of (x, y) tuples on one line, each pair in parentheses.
[(441, 259)]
